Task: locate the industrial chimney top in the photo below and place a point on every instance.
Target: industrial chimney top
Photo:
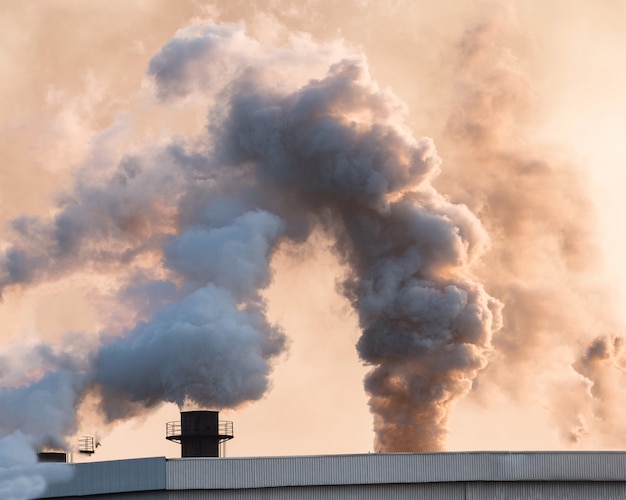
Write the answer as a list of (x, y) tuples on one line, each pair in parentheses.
[(200, 433)]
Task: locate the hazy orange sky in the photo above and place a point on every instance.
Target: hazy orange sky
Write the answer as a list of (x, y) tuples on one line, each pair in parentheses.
[(73, 74)]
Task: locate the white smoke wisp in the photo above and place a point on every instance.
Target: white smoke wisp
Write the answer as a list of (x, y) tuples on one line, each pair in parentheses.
[(40, 388), (603, 366), (21, 477), (297, 137)]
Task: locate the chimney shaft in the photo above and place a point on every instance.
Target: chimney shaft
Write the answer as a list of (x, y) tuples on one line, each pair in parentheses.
[(200, 433)]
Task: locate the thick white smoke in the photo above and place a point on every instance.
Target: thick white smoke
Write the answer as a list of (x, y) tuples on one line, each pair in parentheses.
[(21, 477), (297, 137)]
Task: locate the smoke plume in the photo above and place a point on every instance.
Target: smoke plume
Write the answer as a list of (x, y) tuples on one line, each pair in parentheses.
[(544, 263), (178, 228), (21, 477), (197, 220)]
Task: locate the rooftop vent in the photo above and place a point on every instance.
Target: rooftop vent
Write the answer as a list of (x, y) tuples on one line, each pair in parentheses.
[(52, 456), (200, 434)]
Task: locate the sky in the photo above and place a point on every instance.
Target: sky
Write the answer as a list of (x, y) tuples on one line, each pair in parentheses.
[(524, 103)]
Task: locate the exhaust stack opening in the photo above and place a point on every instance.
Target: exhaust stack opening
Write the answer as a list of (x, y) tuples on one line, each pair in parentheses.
[(52, 456), (200, 434)]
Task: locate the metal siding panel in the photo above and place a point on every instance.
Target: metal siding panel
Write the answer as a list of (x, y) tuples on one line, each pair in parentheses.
[(149, 495), (553, 466), (424, 491), (291, 471), (553, 490), (143, 474), (232, 473)]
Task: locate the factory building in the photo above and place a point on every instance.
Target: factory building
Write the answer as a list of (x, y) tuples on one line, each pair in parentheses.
[(449, 476), (475, 475)]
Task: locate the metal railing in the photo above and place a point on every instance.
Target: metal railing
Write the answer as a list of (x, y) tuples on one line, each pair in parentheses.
[(174, 431), (86, 445)]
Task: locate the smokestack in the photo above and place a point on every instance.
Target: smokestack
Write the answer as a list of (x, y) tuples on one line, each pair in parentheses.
[(200, 433), (52, 456)]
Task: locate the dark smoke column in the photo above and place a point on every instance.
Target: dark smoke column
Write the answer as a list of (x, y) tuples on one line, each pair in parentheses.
[(426, 328), (336, 149)]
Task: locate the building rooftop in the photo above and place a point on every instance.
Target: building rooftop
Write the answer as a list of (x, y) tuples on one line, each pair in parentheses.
[(161, 474)]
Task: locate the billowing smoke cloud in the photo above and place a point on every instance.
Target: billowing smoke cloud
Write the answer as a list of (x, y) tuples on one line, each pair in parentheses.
[(426, 323), (21, 477), (602, 364), (297, 137), (544, 260)]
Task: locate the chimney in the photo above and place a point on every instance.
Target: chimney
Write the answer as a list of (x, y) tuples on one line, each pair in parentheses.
[(200, 433), (52, 456)]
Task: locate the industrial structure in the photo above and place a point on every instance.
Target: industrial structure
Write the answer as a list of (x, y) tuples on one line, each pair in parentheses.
[(202, 474), (200, 433), (449, 476)]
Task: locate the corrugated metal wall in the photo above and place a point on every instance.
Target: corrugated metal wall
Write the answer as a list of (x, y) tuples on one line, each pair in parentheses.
[(426, 491), (143, 474), (535, 490), (148, 495), (233, 473), (447, 475)]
